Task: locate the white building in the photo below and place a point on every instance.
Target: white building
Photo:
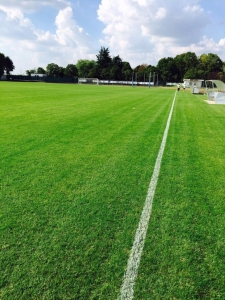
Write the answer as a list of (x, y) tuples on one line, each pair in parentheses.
[(195, 84)]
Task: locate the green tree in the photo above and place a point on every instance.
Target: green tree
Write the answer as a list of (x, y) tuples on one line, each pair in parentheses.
[(210, 63), (2, 64), (33, 71), (93, 71), (103, 58), (223, 67), (105, 73), (191, 61), (40, 70), (185, 62), (167, 69), (61, 72), (215, 64), (192, 73), (181, 66), (117, 61), (126, 71), (28, 72), (71, 71), (104, 63), (115, 73), (143, 72), (53, 70), (136, 69), (203, 66), (116, 68), (84, 66), (6, 65)]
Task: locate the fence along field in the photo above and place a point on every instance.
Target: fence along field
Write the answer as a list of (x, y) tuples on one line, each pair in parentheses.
[(76, 165)]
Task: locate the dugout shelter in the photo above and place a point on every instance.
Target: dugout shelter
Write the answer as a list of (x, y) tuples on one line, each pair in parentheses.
[(215, 90)]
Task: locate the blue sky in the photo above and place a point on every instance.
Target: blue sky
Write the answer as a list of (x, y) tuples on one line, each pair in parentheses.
[(38, 32)]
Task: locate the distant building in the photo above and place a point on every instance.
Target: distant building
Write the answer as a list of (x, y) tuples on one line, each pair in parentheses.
[(195, 84), (38, 75)]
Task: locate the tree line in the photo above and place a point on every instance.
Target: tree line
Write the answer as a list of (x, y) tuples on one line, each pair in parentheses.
[(6, 65), (186, 65), (169, 69)]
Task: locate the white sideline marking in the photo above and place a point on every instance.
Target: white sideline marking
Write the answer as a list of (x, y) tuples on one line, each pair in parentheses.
[(127, 288)]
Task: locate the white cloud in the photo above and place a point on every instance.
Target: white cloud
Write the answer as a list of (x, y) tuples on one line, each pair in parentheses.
[(140, 31), (31, 47), (29, 6), (222, 43), (68, 32), (160, 14), (16, 14), (193, 9), (148, 30)]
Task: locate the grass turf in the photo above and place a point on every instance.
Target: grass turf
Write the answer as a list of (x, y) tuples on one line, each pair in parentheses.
[(76, 162), (184, 252)]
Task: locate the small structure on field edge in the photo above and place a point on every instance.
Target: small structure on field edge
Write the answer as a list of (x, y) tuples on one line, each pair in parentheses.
[(195, 84), (215, 90)]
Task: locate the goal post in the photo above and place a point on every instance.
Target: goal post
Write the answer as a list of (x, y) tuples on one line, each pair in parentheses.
[(88, 81)]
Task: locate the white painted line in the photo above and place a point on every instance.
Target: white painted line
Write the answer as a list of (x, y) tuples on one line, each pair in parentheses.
[(127, 288)]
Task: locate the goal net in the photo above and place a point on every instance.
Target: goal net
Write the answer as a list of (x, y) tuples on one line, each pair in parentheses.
[(88, 81)]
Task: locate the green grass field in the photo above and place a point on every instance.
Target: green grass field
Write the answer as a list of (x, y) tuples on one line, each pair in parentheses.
[(76, 162)]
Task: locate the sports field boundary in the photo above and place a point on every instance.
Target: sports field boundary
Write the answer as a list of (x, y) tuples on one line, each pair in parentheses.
[(127, 288)]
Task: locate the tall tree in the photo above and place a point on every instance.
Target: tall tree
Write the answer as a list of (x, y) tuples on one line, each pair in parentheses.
[(2, 64), (115, 73), (61, 72), (84, 67), (103, 58), (210, 63), (71, 71), (186, 62), (181, 65), (143, 72), (93, 71), (33, 71), (117, 61), (215, 64), (167, 69), (126, 71), (191, 61), (104, 73), (53, 70), (223, 67), (192, 73), (40, 70), (116, 68), (6, 65)]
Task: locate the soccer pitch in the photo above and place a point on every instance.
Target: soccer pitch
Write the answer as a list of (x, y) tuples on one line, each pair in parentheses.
[(76, 162)]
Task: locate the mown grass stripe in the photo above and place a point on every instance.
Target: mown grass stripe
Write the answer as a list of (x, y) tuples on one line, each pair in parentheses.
[(127, 288)]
